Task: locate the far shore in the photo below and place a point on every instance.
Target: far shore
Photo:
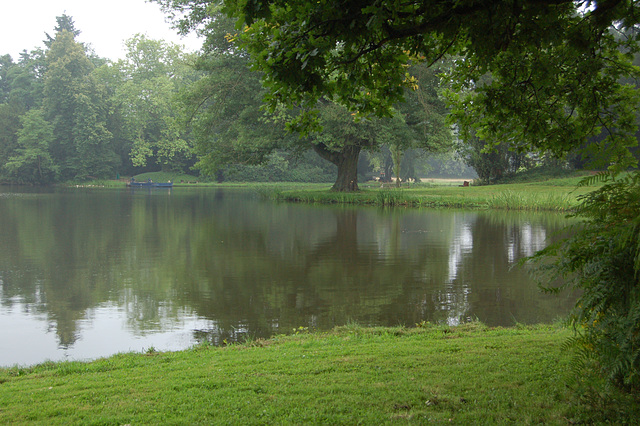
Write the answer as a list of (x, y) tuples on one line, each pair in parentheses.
[(556, 194)]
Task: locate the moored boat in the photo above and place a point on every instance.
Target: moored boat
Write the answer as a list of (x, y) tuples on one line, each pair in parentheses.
[(149, 184)]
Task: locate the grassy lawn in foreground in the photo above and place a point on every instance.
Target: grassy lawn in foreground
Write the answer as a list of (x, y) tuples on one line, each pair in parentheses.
[(469, 374)]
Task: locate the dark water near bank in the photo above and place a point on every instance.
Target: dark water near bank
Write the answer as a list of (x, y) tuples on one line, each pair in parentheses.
[(88, 273)]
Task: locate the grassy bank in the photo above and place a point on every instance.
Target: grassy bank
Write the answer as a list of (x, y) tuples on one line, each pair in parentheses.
[(551, 195), (177, 178), (555, 194), (469, 374)]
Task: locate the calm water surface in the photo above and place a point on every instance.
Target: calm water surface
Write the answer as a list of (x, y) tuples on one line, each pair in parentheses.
[(89, 273)]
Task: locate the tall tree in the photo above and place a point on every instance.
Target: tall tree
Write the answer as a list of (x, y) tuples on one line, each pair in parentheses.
[(92, 139), (75, 103), (555, 65), (5, 64), (67, 68), (9, 126), (556, 72), (21, 92), (232, 127), (425, 113), (150, 77), (341, 141), (25, 80), (32, 162), (223, 107), (64, 22)]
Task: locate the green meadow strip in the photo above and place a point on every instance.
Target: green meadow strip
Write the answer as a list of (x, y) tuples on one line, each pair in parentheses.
[(559, 200), (469, 374), (555, 195), (512, 200)]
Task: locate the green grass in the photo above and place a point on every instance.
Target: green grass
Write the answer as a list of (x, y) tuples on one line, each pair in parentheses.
[(524, 200), (554, 194), (94, 183), (558, 194), (551, 195), (469, 374), (174, 177)]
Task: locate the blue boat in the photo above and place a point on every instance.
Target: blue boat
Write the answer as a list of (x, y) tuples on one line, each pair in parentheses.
[(149, 184)]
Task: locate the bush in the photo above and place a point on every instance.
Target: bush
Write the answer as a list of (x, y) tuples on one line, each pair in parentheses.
[(268, 173), (602, 259)]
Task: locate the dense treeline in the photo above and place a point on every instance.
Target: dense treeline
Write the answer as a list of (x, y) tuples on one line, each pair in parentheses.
[(66, 114)]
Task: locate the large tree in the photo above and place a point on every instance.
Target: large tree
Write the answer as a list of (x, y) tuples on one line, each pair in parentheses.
[(554, 64), (32, 162), (223, 108), (74, 102), (20, 91), (544, 75), (25, 82), (146, 83), (231, 126)]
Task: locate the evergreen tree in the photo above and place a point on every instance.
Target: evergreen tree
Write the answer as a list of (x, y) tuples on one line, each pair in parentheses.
[(76, 106)]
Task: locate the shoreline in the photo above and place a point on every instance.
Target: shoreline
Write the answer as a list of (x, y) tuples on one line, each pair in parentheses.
[(467, 374)]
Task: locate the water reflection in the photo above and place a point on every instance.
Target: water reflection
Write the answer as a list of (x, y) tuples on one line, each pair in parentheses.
[(108, 271)]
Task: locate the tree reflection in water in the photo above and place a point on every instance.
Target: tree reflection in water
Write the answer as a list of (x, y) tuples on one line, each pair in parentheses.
[(242, 266)]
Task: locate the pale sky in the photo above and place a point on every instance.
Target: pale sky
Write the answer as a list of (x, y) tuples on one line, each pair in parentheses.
[(105, 25)]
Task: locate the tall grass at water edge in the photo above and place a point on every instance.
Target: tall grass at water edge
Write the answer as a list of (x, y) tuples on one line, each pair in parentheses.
[(394, 197), (511, 200), (505, 199)]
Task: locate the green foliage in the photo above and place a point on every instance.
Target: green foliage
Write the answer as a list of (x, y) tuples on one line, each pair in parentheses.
[(551, 176), (92, 139), (65, 81), (231, 127), (32, 162), (175, 177), (491, 165), (511, 200), (9, 126), (64, 23), (554, 69), (222, 109), (105, 116), (282, 168), (25, 81), (551, 196), (146, 86), (602, 260), (545, 102), (20, 91)]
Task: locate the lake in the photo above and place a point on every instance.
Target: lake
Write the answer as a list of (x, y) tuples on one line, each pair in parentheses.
[(86, 273)]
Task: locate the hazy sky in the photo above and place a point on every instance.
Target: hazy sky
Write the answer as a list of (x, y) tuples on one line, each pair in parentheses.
[(103, 24)]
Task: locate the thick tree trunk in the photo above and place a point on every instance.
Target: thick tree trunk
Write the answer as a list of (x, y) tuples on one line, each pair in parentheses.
[(396, 156), (347, 180), (347, 162)]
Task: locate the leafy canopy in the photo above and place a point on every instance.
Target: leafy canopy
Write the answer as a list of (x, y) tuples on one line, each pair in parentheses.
[(555, 65), (535, 74)]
